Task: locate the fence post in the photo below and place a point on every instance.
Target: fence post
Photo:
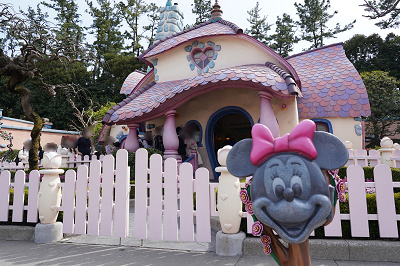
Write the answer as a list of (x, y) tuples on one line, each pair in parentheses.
[(48, 230), (229, 240), (349, 147), (387, 152)]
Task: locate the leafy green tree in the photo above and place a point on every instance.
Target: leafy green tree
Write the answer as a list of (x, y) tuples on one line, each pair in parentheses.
[(202, 9), (384, 97), (37, 47), (68, 20), (388, 10), (285, 35), (369, 53), (258, 25), (153, 19), (314, 17), (106, 26), (132, 12)]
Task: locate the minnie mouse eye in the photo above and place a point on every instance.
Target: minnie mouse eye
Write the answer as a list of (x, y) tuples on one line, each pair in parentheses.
[(278, 186), (297, 185)]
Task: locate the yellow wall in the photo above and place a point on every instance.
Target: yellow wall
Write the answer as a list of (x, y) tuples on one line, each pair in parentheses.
[(343, 128), (173, 64), (203, 106)]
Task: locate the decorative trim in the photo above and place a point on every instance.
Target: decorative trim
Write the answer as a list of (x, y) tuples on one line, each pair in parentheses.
[(43, 130), (325, 121), (210, 127), (316, 49), (291, 84), (203, 47), (223, 22), (200, 144), (127, 100)]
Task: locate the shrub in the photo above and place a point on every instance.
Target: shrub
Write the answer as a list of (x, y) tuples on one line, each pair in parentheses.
[(131, 159), (11, 156), (369, 173)]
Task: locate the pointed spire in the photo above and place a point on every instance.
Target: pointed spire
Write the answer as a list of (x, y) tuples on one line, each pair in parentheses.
[(169, 3), (216, 13)]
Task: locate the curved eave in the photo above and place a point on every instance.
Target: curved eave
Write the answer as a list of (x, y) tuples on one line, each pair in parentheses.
[(154, 99), (182, 98)]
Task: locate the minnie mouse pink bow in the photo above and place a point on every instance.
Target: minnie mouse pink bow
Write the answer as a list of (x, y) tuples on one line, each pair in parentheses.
[(300, 140)]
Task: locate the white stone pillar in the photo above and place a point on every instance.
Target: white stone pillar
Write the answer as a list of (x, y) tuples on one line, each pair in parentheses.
[(131, 142), (229, 203), (49, 230), (170, 138), (267, 116), (387, 152)]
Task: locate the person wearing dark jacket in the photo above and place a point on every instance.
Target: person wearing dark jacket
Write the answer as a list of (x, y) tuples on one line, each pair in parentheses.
[(182, 145), (84, 144)]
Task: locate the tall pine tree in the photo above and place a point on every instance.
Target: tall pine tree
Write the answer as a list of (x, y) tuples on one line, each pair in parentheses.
[(285, 35), (106, 29), (132, 12), (314, 17), (258, 26), (202, 9)]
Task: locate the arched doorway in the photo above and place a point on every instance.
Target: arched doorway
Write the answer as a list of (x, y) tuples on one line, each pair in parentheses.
[(226, 127)]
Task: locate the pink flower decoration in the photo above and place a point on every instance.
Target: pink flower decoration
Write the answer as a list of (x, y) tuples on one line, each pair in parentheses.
[(257, 228), (244, 196), (249, 208), (248, 183), (342, 197), (267, 250), (340, 186), (266, 240)]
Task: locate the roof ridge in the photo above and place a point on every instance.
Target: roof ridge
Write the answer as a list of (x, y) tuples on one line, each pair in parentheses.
[(289, 80), (313, 50), (236, 28), (125, 101)]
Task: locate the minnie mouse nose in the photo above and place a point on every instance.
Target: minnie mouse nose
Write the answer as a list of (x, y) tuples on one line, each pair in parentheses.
[(288, 194)]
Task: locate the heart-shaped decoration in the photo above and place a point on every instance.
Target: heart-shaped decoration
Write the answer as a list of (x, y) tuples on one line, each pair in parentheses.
[(237, 184), (202, 57), (53, 208), (41, 218), (223, 196), (240, 213), (52, 184), (228, 226)]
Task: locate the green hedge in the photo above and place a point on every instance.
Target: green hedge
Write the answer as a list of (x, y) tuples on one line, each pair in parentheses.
[(369, 173), (131, 159), (11, 157)]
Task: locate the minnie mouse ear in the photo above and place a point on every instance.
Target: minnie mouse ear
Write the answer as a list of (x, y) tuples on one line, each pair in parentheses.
[(332, 153), (238, 160)]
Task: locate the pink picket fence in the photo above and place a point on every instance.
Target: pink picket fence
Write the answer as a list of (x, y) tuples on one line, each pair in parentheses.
[(96, 202), (76, 160), (358, 214), (171, 213), (18, 206), (370, 158)]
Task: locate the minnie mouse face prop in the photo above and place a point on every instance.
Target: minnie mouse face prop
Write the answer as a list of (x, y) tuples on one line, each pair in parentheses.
[(289, 191)]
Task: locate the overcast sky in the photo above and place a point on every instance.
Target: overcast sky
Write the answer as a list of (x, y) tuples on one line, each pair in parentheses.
[(235, 11)]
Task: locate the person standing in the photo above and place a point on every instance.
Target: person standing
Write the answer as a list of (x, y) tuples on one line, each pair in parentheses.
[(157, 140), (84, 144)]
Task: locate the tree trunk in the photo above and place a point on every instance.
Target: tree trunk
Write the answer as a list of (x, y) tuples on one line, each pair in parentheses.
[(14, 87)]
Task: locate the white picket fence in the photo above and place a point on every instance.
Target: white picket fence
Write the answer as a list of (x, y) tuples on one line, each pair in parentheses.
[(97, 202), (370, 158), (161, 216), (358, 215), (72, 161), (18, 207)]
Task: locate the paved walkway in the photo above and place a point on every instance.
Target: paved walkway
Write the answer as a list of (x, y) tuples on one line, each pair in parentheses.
[(29, 253)]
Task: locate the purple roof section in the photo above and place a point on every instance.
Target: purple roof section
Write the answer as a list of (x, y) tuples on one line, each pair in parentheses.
[(331, 85), (156, 94), (131, 81), (221, 27)]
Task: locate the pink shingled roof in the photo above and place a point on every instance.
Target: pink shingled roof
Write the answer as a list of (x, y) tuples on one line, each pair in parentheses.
[(159, 93), (131, 81), (331, 86), (221, 27)]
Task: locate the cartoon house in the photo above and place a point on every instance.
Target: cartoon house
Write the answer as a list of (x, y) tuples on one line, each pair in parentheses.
[(220, 81)]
